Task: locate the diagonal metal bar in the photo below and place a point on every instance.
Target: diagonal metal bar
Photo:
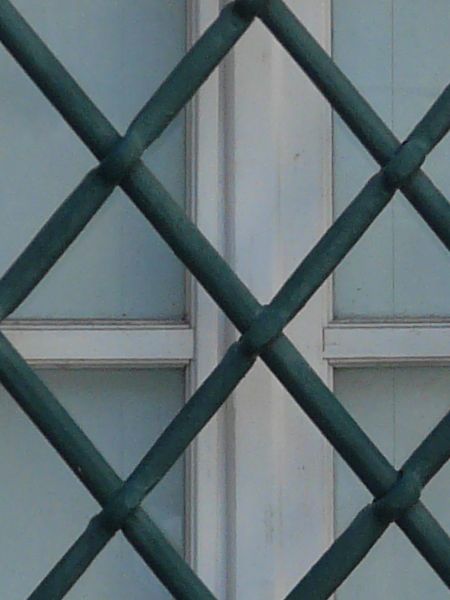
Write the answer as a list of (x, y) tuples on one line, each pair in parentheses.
[(77, 108), (95, 473), (168, 448), (301, 381), (283, 359), (343, 556), (355, 111), (52, 241), (360, 536), (364, 532), (117, 154), (269, 324), (157, 215), (354, 220), (322, 260), (165, 228), (349, 549), (432, 454)]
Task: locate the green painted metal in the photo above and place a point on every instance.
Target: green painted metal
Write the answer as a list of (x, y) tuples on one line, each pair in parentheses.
[(396, 493)]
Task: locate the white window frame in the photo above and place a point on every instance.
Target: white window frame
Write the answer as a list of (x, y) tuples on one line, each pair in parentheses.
[(206, 504), (421, 342)]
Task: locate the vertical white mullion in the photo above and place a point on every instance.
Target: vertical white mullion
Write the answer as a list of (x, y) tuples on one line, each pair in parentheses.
[(279, 185), (206, 510), (305, 176), (255, 196)]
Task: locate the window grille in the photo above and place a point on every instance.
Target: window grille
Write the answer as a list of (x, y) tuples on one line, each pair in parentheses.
[(396, 493)]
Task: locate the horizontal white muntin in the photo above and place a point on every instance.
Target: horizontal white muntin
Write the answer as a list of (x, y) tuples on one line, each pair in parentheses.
[(101, 343), (348, 344)]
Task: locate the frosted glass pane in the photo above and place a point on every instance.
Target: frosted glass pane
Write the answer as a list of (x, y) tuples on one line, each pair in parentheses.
[(397, 407), (119, 52), (44, 508), (395, 51)]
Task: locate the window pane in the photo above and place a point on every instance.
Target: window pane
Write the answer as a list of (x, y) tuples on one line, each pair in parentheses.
[(397, 407), (119, 52), (44, 508), (396, 52)]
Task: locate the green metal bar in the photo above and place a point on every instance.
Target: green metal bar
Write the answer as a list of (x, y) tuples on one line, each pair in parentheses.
[(71, 566), (351, 547), (76, 107), (52, 241), (190, 73), (360, 117), (316, 399), (94, 472), (429, 538), (376, 468), (55, 82), (343, 556), (170, 445), (168, 448), (213, 279), (149, 472), (421, 466), (432, 454), (99, 135), (355, 542), (355, 220), (241, 307)]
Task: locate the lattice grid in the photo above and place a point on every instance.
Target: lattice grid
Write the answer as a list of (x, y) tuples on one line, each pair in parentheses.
[(396, 493)]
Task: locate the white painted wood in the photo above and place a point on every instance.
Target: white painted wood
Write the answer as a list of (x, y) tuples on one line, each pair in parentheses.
[(207, 535), (349, 344), (99, 343), (278, 150), (255, 509)]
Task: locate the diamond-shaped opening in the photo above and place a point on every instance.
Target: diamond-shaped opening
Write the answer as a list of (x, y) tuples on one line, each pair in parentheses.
[(46, 507)]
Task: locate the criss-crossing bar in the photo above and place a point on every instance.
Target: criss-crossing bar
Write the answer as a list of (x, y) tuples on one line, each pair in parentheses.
[(396, 493)]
